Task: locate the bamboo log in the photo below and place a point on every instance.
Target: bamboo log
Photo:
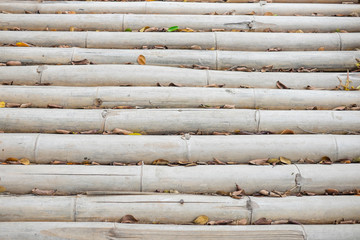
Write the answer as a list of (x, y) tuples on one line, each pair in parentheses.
[(178, 209), (322, 60), (167, 121), (44, 148), (199, 179), (155, 97), (237, 41), (50, 7), (120, 22), (104, 231), (115, 75)]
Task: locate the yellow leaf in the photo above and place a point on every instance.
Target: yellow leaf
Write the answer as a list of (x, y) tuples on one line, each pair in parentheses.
[(141, 60), (12, 159), (2, 189), (143, 29), (22, 44), (299, 31), (2, 104), (24, 161), (160, 162), (285, 160), (72, 29), (135, 134), (273, 160), (201, 220)]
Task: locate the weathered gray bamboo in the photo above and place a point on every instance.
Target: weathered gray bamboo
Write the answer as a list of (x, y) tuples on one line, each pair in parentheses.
[(104, 231), (51, 7), (118, 75), (322, 60), (158, 97), (238, 41), (120, 22), (167, 208), (166, 121), (199, 179), (105, 149)]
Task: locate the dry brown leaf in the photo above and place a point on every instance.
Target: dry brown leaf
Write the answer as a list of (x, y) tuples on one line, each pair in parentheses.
[(222, 193), (262, 221), (123, 107), (201, 220), (24, 161), (13, 63), (217, 161), (287, 131), (61, 131), (160, 162), (340, 108), (2, 189), (325, 160), (81, 62), (13, 105), (54, 106), (229, 106), (264, 192), (242, 221), (280, 222), (128, 219), (262, 161), (347, 222), (268, 14), (121, 131), (331, 191), (221, 133), (285, 160), (309, 193), (174, 85), (321, 49), (90, 131), (12, 159), (220, 222), (141, 60), (280, 85), (40, 192), (195, 47), (57, 162), (25, 105)]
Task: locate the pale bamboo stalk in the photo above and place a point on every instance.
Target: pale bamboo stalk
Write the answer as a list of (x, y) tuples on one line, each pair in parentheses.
[(120, 22), (120, 75), (321, 60), (167, 208), (166, 121), (199, 179), (155, 97), (50, 7), (105, 149), (103, 231), (237, 41)]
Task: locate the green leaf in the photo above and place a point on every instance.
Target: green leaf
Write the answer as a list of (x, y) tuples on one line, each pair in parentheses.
[(173, 28), (337, 30), (128, 30)]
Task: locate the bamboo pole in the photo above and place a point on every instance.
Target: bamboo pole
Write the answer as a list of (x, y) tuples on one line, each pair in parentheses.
[(50, 7), (105, 149), (199, 179), (120, 22), (104, 231), (321, 60), (237, 41), (123, 75), (155, 97), (178, 209), (167, 121)]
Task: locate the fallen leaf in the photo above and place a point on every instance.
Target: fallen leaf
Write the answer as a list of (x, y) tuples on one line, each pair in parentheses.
[(262, 161), (61, 131), (2, 104), (56, 162), (340, 108), (356, 160), (229, 107), (24, 161), (221, 133), (220, 222), (128, 219), (264, 192), (222, 193), (12, 159), (262, 221), (90, 131), (40, 192), (121, 131), (273, 161), (251, 13), (195, 47), (309, 193), (285, 160), (174, 85), (331, 191), (321, 49), (144, 28), (54, 106), (141, 60), (287, 131), (347, 222), (242, 221), (280, 85), (325, 160), (280, 222), (13, 63), (173, 29), (201, 220), (160, 162), (81, 62), (123, 107), (22, 44), (128, 30), (217, 161), (299, 31), (2, 189), (13, 105), (268, 14), (25, 105)]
